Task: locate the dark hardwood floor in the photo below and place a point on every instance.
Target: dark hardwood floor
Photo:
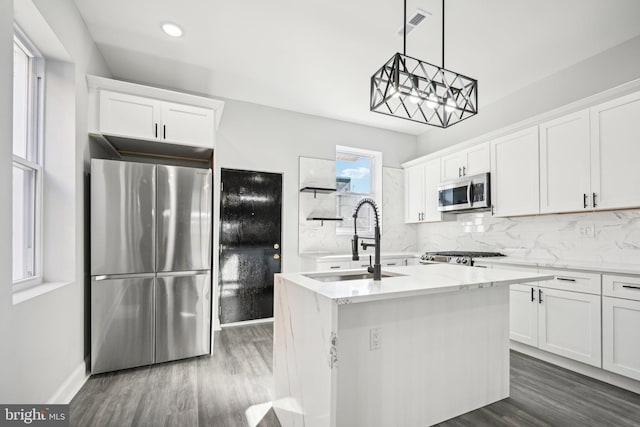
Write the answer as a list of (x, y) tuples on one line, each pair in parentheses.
[(217, 390)]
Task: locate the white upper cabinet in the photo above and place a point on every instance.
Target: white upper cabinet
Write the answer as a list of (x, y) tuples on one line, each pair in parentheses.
[(515, 184), (564, 164), (615, 153), (186, 124), (431, 183), (133, 117), (129, 115), (137, 117), (421, 192), (414, 193), (471, 161)]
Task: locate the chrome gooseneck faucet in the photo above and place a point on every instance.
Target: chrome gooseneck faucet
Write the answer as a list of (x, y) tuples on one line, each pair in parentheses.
[(376, 269)]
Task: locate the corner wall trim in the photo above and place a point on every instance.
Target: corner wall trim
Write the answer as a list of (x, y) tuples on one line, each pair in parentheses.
[(71, 385)]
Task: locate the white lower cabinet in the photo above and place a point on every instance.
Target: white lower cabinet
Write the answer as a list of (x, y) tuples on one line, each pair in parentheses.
[(566, 323), (523, 314), (621, 336), (332, 265), (569, 325), (363, 262)]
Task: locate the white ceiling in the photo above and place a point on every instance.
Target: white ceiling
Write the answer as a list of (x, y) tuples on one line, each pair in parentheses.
[(316, 56)]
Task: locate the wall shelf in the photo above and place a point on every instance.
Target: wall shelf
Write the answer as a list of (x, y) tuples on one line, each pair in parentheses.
[(316, 190), (322, 219)]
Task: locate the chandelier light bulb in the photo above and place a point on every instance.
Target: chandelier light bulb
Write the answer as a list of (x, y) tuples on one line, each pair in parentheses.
[(432, 101), (414, 97), (450, 106)]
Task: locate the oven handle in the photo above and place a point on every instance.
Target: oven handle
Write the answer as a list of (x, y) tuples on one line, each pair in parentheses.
[(469, 194)]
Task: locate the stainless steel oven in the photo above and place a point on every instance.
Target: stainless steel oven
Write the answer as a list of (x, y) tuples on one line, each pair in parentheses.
[(466, 194)]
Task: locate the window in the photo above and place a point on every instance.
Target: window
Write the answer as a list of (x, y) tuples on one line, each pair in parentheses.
[(358, 176), (27, 161)]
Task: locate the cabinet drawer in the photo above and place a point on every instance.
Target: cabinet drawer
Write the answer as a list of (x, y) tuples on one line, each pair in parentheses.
[(332, 265), (576, 281), (621, 286)]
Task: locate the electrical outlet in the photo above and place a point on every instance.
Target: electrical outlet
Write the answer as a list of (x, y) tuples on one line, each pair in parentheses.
[(588, 230), (375, 341)]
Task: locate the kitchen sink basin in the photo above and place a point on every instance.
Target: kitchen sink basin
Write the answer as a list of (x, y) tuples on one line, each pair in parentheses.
[(341, 277)]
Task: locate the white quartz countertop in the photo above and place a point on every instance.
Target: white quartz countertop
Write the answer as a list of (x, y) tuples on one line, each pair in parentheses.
[(324, 256), (411, 280), (598, 267)]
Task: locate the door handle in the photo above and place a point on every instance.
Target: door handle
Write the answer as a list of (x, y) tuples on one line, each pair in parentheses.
[(156, 130), (631, 287), (469, 194), (533, 295), (164, 131), (459, 172), (565, 279), (584, 200), (540, 296), (594, 200), (464, 171)]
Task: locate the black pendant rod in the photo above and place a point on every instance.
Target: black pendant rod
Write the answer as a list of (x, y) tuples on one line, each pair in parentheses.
[(442, 33), (404, 30)]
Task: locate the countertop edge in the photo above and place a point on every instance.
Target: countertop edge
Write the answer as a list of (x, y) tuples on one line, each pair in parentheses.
[(609, 268)]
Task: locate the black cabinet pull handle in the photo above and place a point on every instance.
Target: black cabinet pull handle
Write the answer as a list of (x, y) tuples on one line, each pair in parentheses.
[(584, 200), (565, 279), (156, 130), (164, 131), (631, 287), (533, 295), (333, 267), (594, 200), (540, 296)]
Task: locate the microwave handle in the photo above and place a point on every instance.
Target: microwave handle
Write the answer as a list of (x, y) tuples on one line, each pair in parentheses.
[(469, 193)]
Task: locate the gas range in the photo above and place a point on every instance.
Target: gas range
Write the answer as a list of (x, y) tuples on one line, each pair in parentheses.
[(455, 257)]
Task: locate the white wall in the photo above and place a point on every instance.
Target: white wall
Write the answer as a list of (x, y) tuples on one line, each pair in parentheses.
[(606, 70), (43, 339), (255, 137)]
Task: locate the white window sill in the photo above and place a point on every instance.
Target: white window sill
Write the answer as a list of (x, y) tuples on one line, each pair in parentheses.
[(35, 291)]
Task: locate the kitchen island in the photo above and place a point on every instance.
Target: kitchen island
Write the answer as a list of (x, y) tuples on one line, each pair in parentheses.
[(427, 344)]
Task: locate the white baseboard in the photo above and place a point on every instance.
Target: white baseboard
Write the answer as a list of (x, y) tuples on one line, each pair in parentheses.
[(579, 367), (71, 385)]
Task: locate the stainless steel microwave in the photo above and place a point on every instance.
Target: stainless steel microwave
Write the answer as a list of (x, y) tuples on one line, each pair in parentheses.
[(469, 193)]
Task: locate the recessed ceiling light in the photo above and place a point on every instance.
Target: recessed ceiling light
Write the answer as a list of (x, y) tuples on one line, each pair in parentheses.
[(172, 29)]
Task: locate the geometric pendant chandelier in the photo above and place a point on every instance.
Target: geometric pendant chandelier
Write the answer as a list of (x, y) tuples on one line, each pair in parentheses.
[(416, 90)]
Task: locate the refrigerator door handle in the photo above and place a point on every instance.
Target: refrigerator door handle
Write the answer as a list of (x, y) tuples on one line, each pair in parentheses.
[(182, 273), (101, 277)]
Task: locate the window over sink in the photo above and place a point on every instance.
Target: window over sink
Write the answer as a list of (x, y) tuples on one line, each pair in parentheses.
[(358, 176)]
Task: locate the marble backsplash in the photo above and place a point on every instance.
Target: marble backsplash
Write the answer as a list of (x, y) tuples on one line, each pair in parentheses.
[(567, 237), (316, 238)]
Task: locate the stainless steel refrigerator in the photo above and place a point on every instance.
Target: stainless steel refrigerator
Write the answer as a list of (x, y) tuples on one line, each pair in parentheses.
[(150, 263)]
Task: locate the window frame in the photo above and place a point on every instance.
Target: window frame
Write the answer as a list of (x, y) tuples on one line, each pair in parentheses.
[(35, 150), (375, 171)]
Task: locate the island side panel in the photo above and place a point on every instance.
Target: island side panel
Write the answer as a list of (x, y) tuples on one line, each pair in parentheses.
[(304, 361), (439, 356)]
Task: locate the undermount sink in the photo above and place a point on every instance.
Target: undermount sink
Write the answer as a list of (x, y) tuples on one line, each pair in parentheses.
[(341, 277)]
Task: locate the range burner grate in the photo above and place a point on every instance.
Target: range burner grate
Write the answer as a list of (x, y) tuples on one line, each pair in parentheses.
[(470, 254)]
